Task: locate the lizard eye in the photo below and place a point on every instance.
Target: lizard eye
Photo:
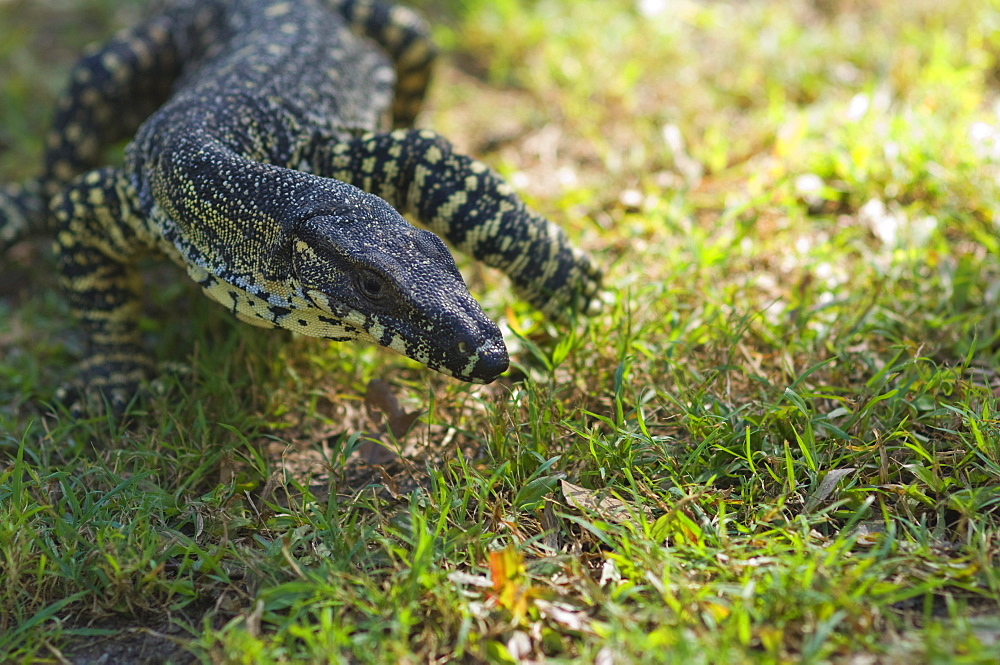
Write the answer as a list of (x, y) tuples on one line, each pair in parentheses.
[(372, 286)]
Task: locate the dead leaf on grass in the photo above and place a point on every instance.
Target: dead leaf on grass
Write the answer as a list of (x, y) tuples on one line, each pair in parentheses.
[(567, 615), (869, 533), (826, 486), (511, 587), (468, 579), (228, 469), (379, 399), (252, 620), (519, 646), (373, 451), (605, 657), (600, 502)]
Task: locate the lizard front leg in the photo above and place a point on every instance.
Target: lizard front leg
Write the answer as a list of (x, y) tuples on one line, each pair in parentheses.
[(22, 210), (110, 92), (474, 208), (96, 249)]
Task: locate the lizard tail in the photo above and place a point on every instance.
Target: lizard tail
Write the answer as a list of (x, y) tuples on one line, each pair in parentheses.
[(23, 211)]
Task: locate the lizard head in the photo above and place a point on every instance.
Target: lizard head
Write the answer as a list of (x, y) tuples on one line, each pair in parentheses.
[(384, 280)]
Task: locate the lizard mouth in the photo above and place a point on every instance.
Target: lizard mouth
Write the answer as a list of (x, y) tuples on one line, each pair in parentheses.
[(481, 363), (488, 362)]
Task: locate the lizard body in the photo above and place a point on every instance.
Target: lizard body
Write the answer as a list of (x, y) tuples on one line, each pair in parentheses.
[(262, 163)]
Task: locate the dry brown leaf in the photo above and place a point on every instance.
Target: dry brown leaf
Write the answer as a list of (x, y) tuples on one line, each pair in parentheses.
[(563, 613), (228, 469), (374, 452), (598, 501), (395, 421), (467, 579), (826, 486), (379, 398)]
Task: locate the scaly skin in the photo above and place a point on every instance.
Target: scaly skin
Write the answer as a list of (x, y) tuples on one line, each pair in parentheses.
[(261, 164)]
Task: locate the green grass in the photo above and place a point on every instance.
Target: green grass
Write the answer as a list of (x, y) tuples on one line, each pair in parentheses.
[(779, 442)]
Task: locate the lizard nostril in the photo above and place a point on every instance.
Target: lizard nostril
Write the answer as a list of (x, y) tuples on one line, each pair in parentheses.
[(463, 347), (491, 361)]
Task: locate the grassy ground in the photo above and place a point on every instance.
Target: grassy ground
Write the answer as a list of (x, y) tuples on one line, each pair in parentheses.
[(779, 443)]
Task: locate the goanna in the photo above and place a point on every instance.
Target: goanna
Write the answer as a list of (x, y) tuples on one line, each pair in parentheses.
[(263, 163)]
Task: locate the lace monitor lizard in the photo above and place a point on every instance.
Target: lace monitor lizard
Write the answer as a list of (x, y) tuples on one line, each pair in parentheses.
[(263, 163)]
